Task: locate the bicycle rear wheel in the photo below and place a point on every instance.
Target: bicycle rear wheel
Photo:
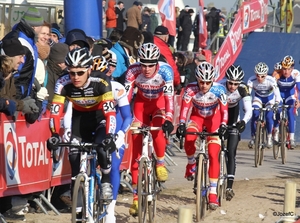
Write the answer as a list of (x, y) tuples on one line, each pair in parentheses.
[(257, 143), (154, 189), (79, 201), (143, 191), (201, 191), (282, 130)]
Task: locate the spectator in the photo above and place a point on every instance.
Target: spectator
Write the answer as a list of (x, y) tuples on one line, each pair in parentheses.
[(146, 20), (111, 17), (119, 9), (12, 57), (55, 35), (154, 20), (180, 61), (187, 25), (190, 67), (199, 59), (56, 66), (30, 24), (213, 20), (76, 38), (179, 20), (161, 35), (148, 37), (115, 36), (126, 51), (133, 15)]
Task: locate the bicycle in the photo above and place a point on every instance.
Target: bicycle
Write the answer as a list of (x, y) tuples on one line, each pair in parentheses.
[(260, 136), (148, 185), (88, 206), (201, 180), (283, 130)]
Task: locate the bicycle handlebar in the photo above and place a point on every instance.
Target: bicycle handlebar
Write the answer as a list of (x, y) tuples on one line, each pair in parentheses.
[(146, 128)]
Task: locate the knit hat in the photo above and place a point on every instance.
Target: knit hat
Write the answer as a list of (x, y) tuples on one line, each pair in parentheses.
[(77, 36), (113, 61), (161, 30), (56, 32), (12, 47), (201, 58), (58, 53), (33, 17)]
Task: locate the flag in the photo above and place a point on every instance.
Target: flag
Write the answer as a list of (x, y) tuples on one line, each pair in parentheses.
[(202, 26), (290, 16), (282, 9), (166, 10)]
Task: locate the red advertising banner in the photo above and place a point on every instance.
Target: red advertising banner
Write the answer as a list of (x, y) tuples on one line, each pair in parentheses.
[(25, 163), (230, 48), (255, 15), (25, 160)]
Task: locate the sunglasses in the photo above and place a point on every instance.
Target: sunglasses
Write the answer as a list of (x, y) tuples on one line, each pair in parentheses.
[(149, 65), (233, 83), (261, 76), (205, 82), (79, 73)]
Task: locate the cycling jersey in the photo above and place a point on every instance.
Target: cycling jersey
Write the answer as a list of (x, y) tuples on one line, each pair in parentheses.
[(204, 105), (151, 89), (268, 87), (95, 95), (233, 99), (287, 85)]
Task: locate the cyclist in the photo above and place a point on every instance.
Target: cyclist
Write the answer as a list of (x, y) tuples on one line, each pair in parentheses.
[(266, 93), (209, 109), (93, 104), (124, 119), (277, 70), (236, 91), (153, 105), (289, 86)]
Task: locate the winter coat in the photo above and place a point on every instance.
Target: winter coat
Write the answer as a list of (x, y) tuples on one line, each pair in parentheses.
[(111, 16), (120, 18), (134, 17)]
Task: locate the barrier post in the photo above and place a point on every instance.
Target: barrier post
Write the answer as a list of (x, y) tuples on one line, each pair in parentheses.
[(185, 215), (289, 202)]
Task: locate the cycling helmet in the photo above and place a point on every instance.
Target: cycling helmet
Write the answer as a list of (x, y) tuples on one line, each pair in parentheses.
[(278, 66), (235, 73), (287, 62), (148, 53), (100, 63), (79, 57), (205, 72), (261, 68)]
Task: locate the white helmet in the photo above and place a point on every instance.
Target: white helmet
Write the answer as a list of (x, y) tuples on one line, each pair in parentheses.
[(261, 68), (205, 72), (278, 66), (79, 57), (148, 52), (235, 73)]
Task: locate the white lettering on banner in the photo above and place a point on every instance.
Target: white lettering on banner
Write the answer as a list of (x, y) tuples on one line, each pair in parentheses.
[(221, 61), (255, 15), (235, 37), (33, 154)]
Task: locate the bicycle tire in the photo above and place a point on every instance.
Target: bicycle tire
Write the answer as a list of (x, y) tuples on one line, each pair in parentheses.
[(154, 190), (201, 191), (276, 148), (99, 209), (143, 191), (221, 189), (2, 219), (79, 190), (257, 143), (262, 149), (282, 130)]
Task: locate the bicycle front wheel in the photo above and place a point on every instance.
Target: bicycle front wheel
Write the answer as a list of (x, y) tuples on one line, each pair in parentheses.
[(282, 131), (154, 189), (79, 211), (201, 195), (262, 149), (258, 143), (143, 185), (222, 182)]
